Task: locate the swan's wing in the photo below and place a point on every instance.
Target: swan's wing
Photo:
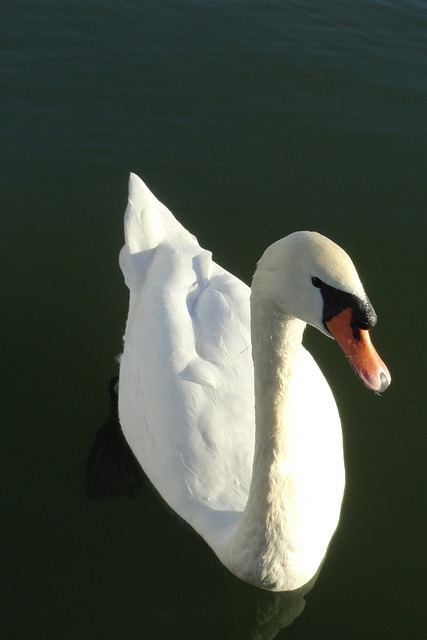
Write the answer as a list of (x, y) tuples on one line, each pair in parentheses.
[(186, 373)]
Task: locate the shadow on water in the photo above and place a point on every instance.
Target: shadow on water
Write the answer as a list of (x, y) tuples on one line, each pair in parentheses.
[(112, 470)]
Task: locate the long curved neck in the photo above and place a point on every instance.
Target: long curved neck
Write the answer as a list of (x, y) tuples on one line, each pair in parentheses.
[(276, 338), (265, 529)]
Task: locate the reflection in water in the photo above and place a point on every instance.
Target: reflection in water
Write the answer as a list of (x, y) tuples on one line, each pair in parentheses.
[(259, 614), (112, 470)]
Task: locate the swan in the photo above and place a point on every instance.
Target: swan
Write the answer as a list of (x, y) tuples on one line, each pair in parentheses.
[(227, 413)]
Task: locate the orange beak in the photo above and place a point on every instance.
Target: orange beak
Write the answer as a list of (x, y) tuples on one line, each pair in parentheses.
[(359, 351)]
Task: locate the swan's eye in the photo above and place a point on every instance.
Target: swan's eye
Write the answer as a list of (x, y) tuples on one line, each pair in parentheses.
[(317, 282), (336, 300)]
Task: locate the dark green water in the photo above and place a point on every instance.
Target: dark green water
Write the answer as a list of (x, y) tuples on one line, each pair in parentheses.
[(249, 120)]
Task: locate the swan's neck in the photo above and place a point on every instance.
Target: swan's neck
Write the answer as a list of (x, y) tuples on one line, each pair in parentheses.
[(268, 530), (298, 472), (276, 338)]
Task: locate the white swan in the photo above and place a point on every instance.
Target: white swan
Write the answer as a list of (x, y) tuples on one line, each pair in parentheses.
[(267, 498)]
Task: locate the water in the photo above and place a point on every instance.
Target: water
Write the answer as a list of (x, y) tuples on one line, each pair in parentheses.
[(250, 120)]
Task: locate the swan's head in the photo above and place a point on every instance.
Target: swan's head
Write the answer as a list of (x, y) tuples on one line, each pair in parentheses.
[(309, 277)]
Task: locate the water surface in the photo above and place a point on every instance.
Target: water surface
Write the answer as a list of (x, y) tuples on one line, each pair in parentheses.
[(250, 120)]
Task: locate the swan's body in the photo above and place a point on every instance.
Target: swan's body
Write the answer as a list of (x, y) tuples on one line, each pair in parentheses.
[(267, 500)]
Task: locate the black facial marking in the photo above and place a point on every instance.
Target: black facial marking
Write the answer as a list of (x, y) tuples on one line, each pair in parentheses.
[(335, 301)]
